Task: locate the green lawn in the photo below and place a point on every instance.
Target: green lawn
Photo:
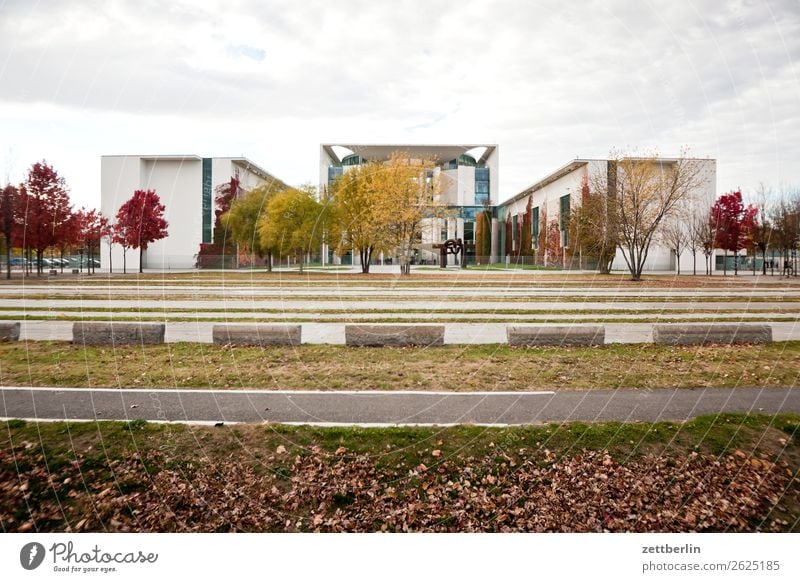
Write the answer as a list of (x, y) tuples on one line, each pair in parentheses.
[(477, 367)]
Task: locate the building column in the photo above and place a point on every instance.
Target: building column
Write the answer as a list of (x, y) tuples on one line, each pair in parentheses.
[(495, 241), (459, 234)]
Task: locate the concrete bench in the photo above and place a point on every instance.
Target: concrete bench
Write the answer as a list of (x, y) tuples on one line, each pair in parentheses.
[(712, 333), (257, 335), (9, 331), (561, 335), (102, 333), (394, 335)]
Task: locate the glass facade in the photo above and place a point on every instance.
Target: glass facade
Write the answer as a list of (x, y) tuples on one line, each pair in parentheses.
[(463, 160), (563, 220), (482, 186), (334, 172), (469, 231), (514, 235), (207, 203), (352, 160)]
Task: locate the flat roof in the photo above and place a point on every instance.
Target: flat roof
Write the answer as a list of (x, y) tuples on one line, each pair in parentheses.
[(573, 165), (238, 160), (441, 152)]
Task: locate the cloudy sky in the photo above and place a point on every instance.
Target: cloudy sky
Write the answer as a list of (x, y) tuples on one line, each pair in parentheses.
[(271, 80)]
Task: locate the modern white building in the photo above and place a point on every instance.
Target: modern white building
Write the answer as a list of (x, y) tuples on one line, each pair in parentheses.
[(186, 185), (468, 175), (551, 199)]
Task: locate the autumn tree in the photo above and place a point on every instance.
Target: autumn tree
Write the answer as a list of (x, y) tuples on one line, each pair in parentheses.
[(44, 210), (222, 249), (483, 234), (593, 228), (552, 248), (410, 196), (508, 237), (142, 220), (383, 206), (241, 222), (92, 227), (358, 205), (732, 222), (8, 202), (525, 237), (645, 191), (293, 224)]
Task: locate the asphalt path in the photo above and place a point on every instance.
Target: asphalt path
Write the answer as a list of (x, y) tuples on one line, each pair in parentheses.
[(371, 408)]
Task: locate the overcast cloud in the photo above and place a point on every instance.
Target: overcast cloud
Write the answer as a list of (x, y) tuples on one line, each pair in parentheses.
[(547, 81)]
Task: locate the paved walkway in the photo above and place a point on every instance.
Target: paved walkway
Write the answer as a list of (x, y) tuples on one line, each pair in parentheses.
[(488, 306), (333, 333), (389, 408)]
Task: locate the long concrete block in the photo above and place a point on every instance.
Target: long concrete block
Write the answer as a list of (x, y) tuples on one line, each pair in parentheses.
[(9, 331), (102, 333), (712, 333), (394, 335), (561, 335), (257, 335)]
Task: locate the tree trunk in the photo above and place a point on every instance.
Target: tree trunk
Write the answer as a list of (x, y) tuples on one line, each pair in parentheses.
[(678, 260), (124, 260), (38, 262), (141, 251), (110, 269), (736, 263), (269, 261), (365, 255), (694, 263), (8, 257), (764, 261), (300, 261)]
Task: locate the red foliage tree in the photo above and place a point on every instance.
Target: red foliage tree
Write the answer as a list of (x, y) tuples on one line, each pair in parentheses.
[(733, 225), (92, 227), (44, 213), (8, 204), (141, 221), (222, 250)]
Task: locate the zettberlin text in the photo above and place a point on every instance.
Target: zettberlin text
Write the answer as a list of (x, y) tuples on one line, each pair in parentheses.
[(666, 549)]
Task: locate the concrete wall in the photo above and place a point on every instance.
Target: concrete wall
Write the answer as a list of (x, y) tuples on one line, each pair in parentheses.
[(493, 163), (178, 181)]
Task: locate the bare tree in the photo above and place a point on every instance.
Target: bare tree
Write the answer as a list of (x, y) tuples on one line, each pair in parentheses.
[(785, 218), (761, 229), (646, 191), (697, 225), (675, 235)]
